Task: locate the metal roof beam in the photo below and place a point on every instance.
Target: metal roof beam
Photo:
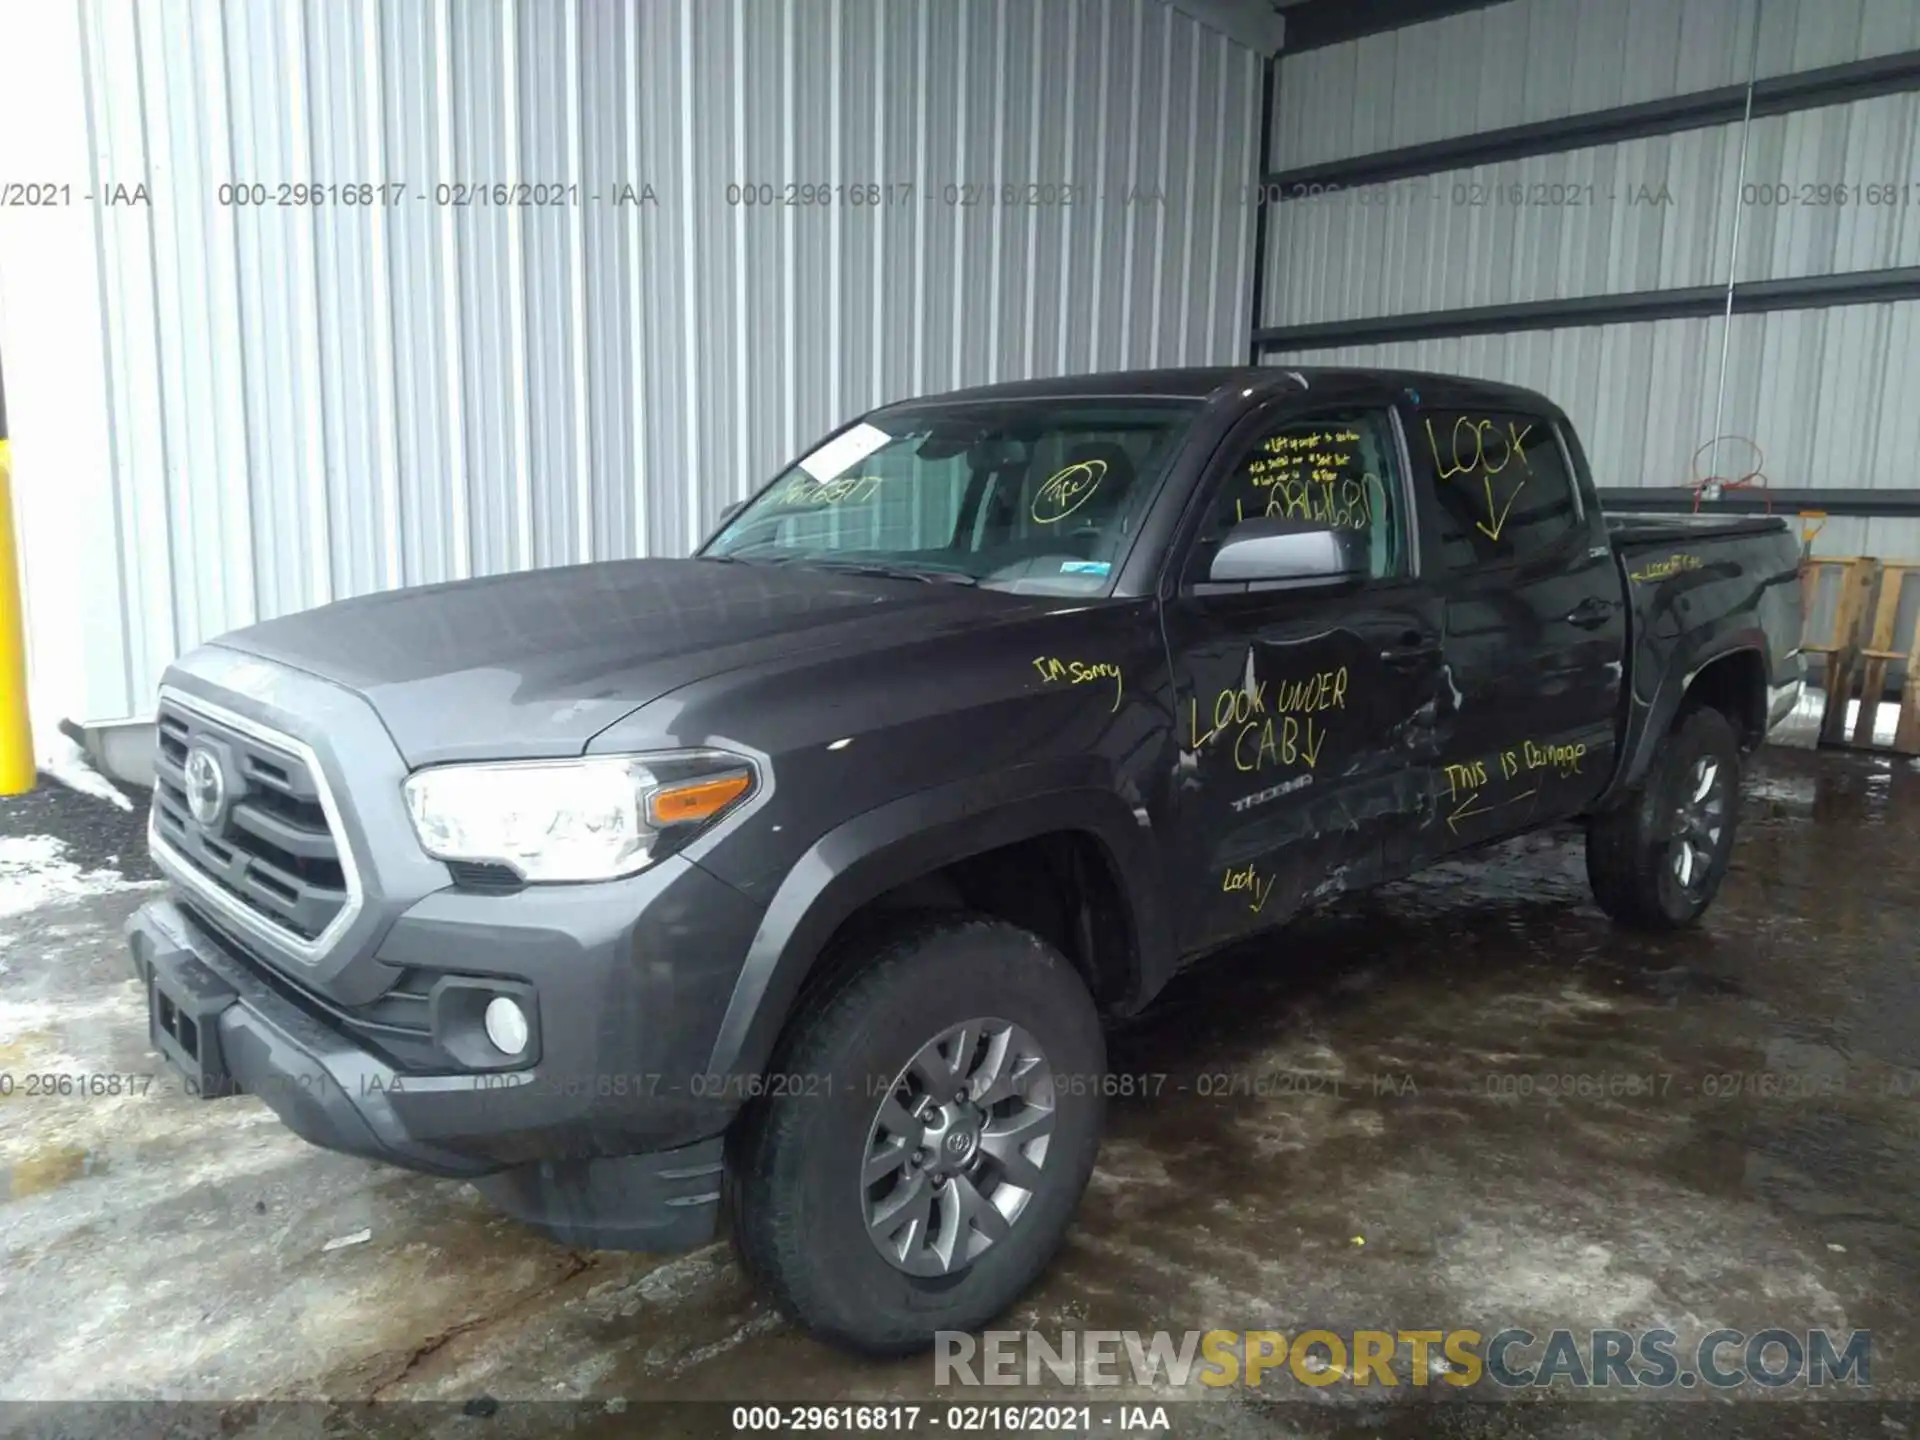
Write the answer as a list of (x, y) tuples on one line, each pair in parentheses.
[(1253, 23), (1776, 95), (1754, 297)]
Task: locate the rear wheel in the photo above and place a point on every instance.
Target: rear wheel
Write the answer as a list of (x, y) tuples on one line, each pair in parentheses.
[(1656, 861), (922, 1166)]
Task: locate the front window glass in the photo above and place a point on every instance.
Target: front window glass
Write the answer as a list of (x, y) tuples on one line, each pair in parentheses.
[(1338, 469), (1036, 496)]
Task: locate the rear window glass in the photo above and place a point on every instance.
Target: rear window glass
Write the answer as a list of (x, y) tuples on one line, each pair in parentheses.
[(1502, 482)]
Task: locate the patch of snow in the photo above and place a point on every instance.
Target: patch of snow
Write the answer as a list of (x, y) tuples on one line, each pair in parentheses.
[(1886, 720), (60, 759), (1787, 789), (1800, 727), (681, 1277), (35, 871), (761, 1324)]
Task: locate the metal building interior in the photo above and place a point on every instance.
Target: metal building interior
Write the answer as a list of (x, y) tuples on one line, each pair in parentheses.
[(1693, 224), (256, 410)]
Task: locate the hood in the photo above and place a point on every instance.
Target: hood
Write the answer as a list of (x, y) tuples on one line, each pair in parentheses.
[(538, 663)]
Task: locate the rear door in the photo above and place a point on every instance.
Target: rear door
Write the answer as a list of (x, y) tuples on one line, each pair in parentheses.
[(1535, 627), (1304, 716)]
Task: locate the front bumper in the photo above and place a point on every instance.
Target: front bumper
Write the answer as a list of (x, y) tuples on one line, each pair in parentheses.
[(368, 1038), (612, 1139), (229, 1032)]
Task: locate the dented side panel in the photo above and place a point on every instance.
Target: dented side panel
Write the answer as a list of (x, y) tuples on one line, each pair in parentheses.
[(1302, 749), (1304, 718)]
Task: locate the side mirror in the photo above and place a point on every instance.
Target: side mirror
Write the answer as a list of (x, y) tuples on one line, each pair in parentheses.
[(1288, 552)]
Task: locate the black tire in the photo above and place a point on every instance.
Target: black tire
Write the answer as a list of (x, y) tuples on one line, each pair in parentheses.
[(1632, 850), (798, 1207)]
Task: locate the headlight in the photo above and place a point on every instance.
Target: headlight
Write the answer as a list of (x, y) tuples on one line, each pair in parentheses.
[(590, 819)]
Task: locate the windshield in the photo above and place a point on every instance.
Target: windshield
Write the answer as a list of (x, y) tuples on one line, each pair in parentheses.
[(1033, 496)]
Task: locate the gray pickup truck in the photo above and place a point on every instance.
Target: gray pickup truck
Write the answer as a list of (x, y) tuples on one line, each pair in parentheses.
[(793, 881)]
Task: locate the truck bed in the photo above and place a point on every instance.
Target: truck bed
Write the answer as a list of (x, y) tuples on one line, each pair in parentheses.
[(1625, 528), (1700, 587)]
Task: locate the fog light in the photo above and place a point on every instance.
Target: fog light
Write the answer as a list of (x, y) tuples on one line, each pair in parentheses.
[(506, 1025)]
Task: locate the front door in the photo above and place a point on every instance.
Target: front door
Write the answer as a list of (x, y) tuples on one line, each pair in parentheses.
[(1305, 716)]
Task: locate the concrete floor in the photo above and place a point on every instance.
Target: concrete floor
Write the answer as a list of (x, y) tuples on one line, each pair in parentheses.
[(157, 1247)]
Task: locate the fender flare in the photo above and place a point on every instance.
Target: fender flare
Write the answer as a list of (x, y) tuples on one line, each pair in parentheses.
[(874, 852), (1648, 725)]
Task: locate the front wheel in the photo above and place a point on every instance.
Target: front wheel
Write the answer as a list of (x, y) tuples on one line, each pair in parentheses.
[(926, 1170), (1657, 861)]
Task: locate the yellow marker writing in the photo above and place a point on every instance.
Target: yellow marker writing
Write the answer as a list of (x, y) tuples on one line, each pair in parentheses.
[(1066, 490), (1248, 882), (1080, 672)]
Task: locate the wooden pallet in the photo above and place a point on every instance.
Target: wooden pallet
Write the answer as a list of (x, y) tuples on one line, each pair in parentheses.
[(1859, 648)]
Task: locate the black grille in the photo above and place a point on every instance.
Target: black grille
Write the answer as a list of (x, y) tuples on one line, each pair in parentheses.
[(484, 875), (396, 1023), (269, 847)]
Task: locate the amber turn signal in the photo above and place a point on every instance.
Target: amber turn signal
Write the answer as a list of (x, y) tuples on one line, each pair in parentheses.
[(696, 800)]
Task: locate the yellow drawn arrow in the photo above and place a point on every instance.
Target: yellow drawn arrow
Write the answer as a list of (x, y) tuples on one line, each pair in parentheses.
[(1500, 523), (1465, 812), (1313, 755), (1453, 820)]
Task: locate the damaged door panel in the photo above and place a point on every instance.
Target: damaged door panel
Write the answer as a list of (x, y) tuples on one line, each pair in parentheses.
[(1305, 702), (1535, 629)]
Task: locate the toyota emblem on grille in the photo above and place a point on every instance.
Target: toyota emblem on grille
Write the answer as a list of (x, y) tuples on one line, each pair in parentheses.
[(206, 786)]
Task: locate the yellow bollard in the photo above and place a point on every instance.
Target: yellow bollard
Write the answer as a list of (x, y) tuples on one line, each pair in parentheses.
[(16, 734)]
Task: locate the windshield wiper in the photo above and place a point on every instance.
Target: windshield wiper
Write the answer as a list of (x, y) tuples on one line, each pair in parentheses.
[(773, 553), (890, 572), (745, 556)]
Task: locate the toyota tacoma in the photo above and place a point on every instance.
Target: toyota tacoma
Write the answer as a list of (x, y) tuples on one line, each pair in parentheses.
[(794, 881)]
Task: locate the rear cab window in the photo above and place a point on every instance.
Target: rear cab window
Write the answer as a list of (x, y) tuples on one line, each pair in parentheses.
[(1504, 491)]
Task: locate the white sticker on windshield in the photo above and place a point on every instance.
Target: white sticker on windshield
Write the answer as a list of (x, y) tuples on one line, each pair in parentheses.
[(845, 450)]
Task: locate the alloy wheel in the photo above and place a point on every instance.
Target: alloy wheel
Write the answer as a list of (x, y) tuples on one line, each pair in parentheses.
[(1699, 826), (957, 1147)]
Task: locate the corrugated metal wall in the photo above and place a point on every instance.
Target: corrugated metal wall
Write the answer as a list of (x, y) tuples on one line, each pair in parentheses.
[(307, 402), (1543, 59), (1641, 394), (1827, 395)]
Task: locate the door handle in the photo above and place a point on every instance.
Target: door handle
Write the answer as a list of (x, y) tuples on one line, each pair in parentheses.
[(1591, 613), (1410, 656)]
